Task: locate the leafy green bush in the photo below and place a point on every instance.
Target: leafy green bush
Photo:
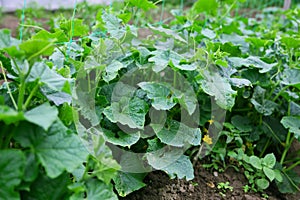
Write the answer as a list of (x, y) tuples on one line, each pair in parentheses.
[(85, 109)]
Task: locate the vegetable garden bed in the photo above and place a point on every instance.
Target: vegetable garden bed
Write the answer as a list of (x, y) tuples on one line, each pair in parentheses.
[(143, 100)]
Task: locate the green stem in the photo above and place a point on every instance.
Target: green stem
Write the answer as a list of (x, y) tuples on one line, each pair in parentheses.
[(280, 92), (265, 148), (21, 92), (293, 166), (288, 141), (272, 132), (32, 93), (291, 181), (8, 88), (8, 138), (42, 50)]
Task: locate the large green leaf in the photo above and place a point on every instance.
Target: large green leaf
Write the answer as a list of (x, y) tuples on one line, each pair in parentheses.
[(12, 163), (209, 6), (121, 138), (143, 4), (219, 87), (112, 70), (58, 36), (161, 96), (43, 115), (47, 188), (290, 182), (293, 124), (57, 150), (125, 183), (162, 58), (253, 61), (167, 32), (9, 115), (98, 190), (291, 77), (6, 40), (113, 25), (262, 105), (127, 111), (75, 27), (172, 161), (181, 168), (33, 46), (40, 71), (178, 134)]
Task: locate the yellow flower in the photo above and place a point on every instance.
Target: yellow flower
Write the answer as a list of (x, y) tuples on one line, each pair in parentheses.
[(211, 121), (207, 139)]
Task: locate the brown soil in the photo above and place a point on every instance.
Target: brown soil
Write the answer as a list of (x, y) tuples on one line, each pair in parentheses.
[(203, 187)]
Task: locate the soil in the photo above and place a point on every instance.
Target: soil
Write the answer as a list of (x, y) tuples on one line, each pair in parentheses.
[(203, 187)]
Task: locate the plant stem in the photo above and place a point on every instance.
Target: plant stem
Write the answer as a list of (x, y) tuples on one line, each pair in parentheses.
[(293, 166), (32, 93), (21, 92), (265, 148), (288, 141), (8, 88), (280, 92)]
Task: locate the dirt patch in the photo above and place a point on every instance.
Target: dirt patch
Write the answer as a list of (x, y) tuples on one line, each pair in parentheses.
[(203, 187), (10, 22)]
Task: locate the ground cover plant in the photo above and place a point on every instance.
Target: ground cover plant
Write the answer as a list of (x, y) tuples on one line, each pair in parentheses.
[(89, 107)]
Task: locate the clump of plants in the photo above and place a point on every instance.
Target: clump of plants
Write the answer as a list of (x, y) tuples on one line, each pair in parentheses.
[(86, 109)]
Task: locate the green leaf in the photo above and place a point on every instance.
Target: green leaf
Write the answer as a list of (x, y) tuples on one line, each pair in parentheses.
[(163, 58), (9, 115), (6, 40), (58, 36), (210, 6), (262, 105), (75, 27), (269, 160), (167, 33), (43, 115), (269, 173), (120, 138), (143, 4), (113, 26), (253, 61), (219, 87), (291, 42), (290, 182), (178, 134), (127, 111), (33, 46), (102, 163), (181, 168), (163, 157), (278, 175), (98, 190), (240, 82), (47, 188), (256, 162), (40, 71), (31, 168), (208, 33), (242, 123), (293, 124), (12, 164), (262, 183), (161, 96), (57, 150), (112, 70), (291, 77), (125, 183)]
